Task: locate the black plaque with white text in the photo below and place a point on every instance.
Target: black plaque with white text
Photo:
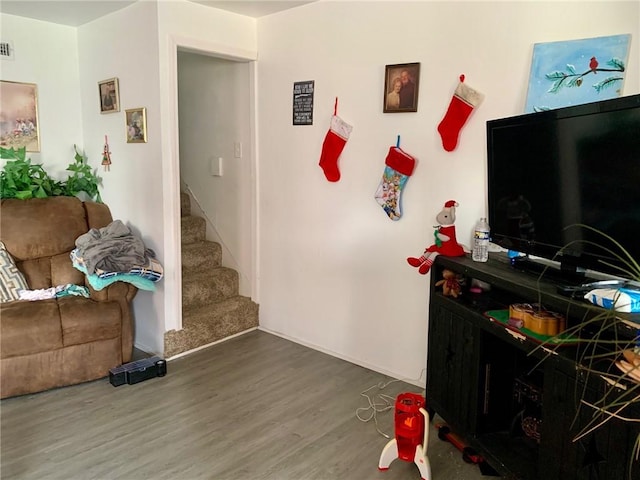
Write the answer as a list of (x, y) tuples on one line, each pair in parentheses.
[(303, 103)]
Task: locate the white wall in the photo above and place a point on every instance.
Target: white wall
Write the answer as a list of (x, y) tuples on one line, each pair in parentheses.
[(138, 45), (47, 55), (67, 64), (190, 27), (124, 44), (214, 115), (333, 266)]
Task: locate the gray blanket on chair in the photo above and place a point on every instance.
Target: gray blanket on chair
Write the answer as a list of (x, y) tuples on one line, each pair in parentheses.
[(112, 248)]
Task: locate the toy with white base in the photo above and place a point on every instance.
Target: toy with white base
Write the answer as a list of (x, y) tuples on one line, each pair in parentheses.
[(412, 435)]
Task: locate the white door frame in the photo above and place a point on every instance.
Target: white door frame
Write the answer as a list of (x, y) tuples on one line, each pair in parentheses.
[(173, 303)]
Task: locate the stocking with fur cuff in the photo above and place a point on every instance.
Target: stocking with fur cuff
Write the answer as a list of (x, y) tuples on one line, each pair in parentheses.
[(333, 145), (464, 100)]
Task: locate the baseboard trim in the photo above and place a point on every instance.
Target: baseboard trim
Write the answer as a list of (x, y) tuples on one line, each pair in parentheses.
[(418, 382), (188, 352), (146, 349)]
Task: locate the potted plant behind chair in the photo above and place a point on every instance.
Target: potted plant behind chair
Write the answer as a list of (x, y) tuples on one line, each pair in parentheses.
[(22, 179)]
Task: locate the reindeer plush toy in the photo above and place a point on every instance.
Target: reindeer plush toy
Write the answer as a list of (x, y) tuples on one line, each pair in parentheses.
[(445, 240)]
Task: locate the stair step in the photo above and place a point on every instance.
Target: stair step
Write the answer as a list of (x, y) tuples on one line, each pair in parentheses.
[(185, 204), (209, 287), (210, 323), (200, 257), (211, 307), (193, 229)]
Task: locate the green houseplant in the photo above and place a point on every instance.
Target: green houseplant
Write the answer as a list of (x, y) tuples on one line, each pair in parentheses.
[(602, 352), (22, 179)]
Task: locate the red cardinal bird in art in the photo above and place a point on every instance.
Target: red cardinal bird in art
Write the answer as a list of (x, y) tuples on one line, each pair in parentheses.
[(593, 64)]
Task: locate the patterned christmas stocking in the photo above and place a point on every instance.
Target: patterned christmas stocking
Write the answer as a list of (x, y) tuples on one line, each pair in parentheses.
[(398, 169), (464, 100), (333, 144)]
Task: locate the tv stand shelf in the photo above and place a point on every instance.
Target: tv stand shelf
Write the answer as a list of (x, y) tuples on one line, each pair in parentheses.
[(551, 274), (511, 399)]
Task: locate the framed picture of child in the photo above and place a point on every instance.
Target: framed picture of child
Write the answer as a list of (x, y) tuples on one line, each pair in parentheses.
[(401, 83), (136, 119)]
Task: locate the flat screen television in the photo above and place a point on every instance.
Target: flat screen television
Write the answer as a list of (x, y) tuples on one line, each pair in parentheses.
[(551, 170)]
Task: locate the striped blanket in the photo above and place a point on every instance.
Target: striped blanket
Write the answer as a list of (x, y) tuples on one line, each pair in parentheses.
[(152, 271)]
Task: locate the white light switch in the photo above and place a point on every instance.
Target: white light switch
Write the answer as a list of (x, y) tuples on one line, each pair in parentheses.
[(215, 166), (237, 150)]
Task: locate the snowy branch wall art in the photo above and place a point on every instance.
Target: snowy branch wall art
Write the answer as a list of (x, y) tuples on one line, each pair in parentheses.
[(577, 71)]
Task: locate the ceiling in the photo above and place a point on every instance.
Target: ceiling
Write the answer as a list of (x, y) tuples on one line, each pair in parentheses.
[(78, 12)]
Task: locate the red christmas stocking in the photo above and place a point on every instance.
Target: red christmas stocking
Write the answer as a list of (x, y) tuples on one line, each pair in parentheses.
[(333, 144), (464, 100), (399, 167)]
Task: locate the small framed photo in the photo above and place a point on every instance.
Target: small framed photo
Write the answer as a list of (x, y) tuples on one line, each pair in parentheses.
[(136, 119), (19, 114), (109, 96), (401, 83)]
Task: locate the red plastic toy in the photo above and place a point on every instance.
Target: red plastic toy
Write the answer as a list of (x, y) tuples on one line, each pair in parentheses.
[(411, 435), (469, 454)]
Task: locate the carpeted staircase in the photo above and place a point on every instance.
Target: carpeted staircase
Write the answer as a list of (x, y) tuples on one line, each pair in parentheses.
[(211, 307)]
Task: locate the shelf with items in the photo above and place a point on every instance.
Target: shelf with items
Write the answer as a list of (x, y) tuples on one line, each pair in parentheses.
[(506, 392)]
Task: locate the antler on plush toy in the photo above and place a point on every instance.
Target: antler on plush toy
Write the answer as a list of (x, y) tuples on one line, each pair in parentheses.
[(445, 240)]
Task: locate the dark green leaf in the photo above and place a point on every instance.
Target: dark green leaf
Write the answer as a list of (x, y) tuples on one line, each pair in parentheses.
[(24, 194)]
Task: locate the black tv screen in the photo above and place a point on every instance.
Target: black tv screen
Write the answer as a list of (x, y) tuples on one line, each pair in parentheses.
[(551, 170)]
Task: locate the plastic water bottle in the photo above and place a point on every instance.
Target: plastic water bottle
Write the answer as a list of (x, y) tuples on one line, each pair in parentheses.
[(481, 241)]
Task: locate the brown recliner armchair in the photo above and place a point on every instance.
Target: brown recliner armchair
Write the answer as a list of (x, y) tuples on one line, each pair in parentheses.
[(62, 341)]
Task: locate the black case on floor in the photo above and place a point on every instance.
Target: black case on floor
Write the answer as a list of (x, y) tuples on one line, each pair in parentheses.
[(138, 371)]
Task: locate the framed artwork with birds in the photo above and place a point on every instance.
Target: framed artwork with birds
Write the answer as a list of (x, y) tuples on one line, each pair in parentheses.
[(574, 72)]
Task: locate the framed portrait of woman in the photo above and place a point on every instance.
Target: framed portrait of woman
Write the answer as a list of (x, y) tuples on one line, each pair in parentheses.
[(401, 83)]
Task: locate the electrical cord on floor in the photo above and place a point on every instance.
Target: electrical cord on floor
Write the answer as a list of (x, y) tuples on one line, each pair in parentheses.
[(379, 402), (384, 403)]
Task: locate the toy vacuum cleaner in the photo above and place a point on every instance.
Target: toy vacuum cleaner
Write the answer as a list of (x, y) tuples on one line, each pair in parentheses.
[(412, 435)]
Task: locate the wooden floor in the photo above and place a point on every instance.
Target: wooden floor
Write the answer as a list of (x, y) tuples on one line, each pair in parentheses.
[(255, 407)]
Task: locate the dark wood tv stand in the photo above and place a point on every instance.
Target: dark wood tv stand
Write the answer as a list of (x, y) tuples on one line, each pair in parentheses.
[(492, 385)]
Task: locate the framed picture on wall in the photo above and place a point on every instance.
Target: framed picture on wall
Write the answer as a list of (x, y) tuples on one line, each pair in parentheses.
[(401, 83), (109, 96), (136, 119), (19, 113)]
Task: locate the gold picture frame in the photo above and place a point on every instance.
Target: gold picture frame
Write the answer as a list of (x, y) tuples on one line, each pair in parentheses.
[(19, 113), (401, 83), (136, 125), (109, 95)]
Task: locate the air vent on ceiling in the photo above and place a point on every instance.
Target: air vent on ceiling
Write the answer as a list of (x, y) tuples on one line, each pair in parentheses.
[(6, 50)]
